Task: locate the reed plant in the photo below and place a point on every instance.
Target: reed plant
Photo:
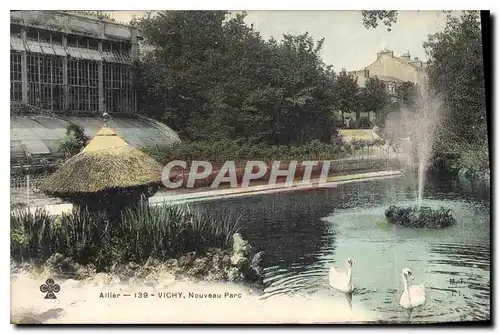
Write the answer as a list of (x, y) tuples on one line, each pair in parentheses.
[(142, 232)]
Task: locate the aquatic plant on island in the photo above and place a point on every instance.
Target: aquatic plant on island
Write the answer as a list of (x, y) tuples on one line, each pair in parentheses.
[(145, 238), (419, 217)]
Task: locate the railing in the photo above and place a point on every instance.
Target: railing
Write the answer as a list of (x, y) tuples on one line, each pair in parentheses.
[(363, 159), (24, 189)]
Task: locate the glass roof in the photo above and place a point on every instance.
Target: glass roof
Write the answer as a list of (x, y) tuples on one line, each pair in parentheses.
[(33, 46), (38, 136), (17, 44), (47, 48)]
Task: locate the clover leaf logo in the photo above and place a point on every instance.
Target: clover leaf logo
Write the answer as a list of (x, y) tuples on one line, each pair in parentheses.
[(50, 288)]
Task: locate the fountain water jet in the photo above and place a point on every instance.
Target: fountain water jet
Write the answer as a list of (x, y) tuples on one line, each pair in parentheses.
[(421, 125)]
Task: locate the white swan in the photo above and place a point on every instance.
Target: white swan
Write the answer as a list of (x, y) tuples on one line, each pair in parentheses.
[(340, 280), (412, 296)]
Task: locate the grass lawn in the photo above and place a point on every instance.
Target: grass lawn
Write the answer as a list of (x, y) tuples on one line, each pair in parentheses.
[(364, 134)]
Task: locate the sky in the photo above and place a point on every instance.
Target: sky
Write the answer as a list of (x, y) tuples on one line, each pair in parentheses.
[(348, 44)]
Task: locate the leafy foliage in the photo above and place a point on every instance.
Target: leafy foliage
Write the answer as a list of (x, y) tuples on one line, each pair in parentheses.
[(346, 93), (456, 73), (228, 150), (225, 82), (74, 140), (371, 18), (374, 96), (407, 94), (99, 14)]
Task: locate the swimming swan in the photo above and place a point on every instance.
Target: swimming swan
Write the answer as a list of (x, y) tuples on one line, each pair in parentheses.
[(340, 280), (412, 296)]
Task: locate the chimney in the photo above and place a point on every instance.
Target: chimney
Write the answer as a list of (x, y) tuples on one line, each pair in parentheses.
[(385, 52), (417, 62), (406, 56)]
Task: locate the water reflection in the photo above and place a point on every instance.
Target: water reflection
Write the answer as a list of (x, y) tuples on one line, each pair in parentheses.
[(303, 234), (270, 224)]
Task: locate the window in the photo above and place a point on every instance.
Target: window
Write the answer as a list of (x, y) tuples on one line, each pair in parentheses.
[(45, 81), (15, 77), (15, 30), (32, 34), (93, 44), (390, 88), (56, 38), (109, 46), (118, 92), (83, 42), (83, 85), (44, 36), (125, 47), (72, 40), (106, 46)]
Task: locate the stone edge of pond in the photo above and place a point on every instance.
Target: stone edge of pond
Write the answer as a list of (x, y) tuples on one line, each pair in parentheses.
[(239, 266)]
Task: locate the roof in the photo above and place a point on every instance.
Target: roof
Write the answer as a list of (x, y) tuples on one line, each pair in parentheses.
[(106, 163), (388, 78), (37, 136), (105, 139), (399, 59)]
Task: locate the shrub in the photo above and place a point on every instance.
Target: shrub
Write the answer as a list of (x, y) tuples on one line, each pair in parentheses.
[(218, 152), (74, 140)]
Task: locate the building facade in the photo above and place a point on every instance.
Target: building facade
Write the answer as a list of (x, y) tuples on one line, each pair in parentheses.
[(392, 70), (68, 62)]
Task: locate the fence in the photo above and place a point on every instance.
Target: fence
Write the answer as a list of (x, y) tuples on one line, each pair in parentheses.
[(24, 189)]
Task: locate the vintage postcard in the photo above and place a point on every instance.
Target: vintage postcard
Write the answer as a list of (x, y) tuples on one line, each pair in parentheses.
[(258, 167)]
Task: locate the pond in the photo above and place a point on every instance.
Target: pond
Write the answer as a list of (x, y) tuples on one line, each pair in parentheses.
[(305, 233)]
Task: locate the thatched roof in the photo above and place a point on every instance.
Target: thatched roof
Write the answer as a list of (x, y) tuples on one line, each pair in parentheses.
[(106, 163)]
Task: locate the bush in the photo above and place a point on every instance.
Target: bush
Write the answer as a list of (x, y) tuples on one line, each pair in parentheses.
[(474, 162), (218, 152), (162, 232), (74, 140)]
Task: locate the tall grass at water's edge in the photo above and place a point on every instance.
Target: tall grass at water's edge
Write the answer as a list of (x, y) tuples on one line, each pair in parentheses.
[(161, 232)]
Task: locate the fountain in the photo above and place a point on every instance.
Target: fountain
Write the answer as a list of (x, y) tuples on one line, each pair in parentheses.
[(421, 125), (427, 120)]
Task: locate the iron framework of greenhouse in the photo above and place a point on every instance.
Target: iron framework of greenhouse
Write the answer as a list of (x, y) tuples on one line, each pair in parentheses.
[(63, 72)]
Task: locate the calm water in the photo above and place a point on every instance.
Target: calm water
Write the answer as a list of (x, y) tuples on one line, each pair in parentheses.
[(303, 234)]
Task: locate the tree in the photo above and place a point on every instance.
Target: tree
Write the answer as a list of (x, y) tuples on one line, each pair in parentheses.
[(371, 18), (175, 77), (456, 74), (346, 92), (406, 94), (374, 97), (225, 82)]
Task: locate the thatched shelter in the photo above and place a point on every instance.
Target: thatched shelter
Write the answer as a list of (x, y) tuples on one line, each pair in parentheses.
[(107, 174)]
